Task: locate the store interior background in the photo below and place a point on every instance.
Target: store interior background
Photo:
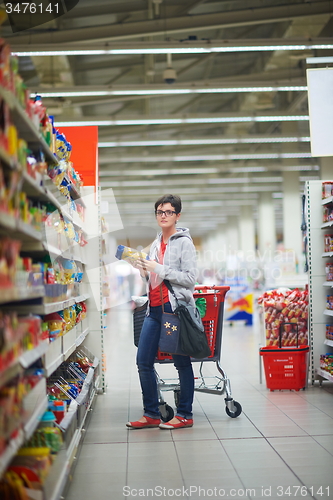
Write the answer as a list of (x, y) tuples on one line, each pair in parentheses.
[(240, 171)]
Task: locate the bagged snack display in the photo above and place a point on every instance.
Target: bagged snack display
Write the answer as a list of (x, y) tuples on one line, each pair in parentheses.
[(282, 307)]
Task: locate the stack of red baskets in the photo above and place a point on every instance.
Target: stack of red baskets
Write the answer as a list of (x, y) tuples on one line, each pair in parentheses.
[(285, 367)]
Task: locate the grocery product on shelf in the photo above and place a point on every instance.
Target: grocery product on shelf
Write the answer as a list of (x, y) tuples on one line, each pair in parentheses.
[(329, 332), (326, 362), (17, 335), (329, 271), (327, 189), (283, 308)]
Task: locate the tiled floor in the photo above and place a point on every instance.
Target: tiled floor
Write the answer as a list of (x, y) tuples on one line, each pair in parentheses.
[(281, 446)]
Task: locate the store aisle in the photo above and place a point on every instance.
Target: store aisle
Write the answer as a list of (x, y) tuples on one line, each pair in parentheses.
[(280, 447)]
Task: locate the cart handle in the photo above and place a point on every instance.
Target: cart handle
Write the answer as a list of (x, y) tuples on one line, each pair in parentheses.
[(212, 287)]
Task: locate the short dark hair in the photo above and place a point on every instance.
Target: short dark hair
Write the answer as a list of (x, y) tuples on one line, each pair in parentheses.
[(174, 200)]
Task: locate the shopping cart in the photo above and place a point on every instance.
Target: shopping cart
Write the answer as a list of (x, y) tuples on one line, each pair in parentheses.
[(213, 323)]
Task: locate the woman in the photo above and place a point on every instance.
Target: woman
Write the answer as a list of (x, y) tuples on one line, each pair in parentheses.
[(172, 257)]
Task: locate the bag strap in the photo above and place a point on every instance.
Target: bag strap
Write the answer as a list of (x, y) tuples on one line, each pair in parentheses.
[(161, 295), (171, 290)]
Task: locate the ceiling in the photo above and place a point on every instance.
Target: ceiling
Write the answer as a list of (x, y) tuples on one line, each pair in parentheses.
[(234, 124)]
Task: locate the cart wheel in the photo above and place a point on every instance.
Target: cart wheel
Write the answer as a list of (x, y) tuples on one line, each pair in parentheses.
[(237, 412), (166, 412), (176, 394)]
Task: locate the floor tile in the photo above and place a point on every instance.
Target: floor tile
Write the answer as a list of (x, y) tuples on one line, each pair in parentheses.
[(283, 439)]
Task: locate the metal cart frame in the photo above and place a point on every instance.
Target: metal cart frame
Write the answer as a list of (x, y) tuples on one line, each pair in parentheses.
[(213, 324)]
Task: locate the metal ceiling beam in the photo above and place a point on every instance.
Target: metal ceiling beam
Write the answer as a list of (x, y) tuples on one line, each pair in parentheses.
[(117, 8), (227, 19)]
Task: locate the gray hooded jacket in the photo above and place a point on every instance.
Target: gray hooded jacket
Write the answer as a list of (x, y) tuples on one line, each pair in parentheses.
[(179, 265)]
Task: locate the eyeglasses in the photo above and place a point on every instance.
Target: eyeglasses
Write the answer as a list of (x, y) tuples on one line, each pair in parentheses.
[(167, 213)]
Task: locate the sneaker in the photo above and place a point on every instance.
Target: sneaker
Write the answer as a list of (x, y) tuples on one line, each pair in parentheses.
[(150, 422), (183, 422)]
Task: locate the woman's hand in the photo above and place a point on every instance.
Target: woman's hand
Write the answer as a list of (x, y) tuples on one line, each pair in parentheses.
[(145, 265)]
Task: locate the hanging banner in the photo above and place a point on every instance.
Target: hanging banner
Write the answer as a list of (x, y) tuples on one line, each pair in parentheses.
[(320, 96)]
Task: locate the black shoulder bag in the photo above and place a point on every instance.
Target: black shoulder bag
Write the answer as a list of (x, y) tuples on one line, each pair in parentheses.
[(193, 340)]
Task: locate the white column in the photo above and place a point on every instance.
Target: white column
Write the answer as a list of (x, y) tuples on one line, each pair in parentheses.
[(232, 234), (266, 226), (246, 227), (326, 168), (292, 210)]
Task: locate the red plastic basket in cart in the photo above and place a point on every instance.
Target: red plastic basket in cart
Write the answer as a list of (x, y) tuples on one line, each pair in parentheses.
[(285, 367), (212, 320)]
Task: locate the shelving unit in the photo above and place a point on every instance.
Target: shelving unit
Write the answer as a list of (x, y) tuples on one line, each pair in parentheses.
[(87, 333), (318, 286)]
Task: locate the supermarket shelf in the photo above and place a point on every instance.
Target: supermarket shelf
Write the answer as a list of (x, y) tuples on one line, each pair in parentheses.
[(328, 283), (49, 369), (10, 372), (40, 406), (82, 337), (29, 357), (327, 254), (44, 247), (6, 159), (46, 308), (324, 374), (326, 201), (328, 312), (81, 298), (327, 224), (58, 477), (18, 228), (329, 342), (25, 126), (61, 348), (24, 361), (11, 450), (69, 342), (17, 294)]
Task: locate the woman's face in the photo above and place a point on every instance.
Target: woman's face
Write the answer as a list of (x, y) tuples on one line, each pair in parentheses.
[(166, 216)]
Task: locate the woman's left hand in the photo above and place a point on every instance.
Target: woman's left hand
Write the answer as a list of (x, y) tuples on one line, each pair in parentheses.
[(146, 265)]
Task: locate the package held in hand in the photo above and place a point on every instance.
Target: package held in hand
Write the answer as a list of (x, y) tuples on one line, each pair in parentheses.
[(130, 254)]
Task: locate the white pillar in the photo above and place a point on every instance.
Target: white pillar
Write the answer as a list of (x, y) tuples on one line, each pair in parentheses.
[(266, 226), (326, 168), (292, 210), (246, 227), (232, 234)]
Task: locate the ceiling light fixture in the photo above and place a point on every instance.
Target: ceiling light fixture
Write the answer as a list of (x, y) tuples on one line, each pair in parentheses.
[(180, 121), (202, 142), (57, 93), (219, 157), (185, 47)]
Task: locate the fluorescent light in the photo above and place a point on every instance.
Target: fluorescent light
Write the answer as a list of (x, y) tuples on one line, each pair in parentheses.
[(309, 178), (68, 93), (186, 47), (300, 168), (319, 60), (267, 179), (169, 171), (180, 121), (217, 157), (46, 53), (164, 91), (203, 142), (240, 170)]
